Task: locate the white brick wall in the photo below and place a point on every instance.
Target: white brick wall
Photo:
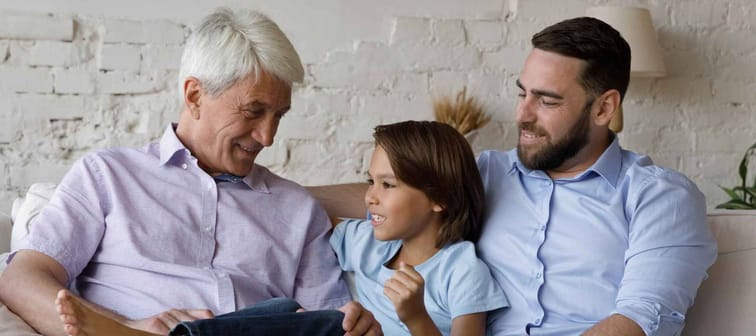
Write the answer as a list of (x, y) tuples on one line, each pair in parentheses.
[(74, 79)]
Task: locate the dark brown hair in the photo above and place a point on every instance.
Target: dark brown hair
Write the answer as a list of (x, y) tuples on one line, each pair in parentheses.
[(605, 52), (435, 159)]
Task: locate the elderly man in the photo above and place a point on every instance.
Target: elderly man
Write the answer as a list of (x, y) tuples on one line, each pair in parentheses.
[(583, 236), (188, 227)]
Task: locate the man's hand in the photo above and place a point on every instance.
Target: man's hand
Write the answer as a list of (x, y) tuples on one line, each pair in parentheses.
[(163, 323), (405, 289), (359, 321)]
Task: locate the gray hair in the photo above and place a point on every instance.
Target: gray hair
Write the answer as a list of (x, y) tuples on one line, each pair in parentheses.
[(229, 45)]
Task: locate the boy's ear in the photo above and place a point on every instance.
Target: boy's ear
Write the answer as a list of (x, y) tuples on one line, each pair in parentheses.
[(192, 96)]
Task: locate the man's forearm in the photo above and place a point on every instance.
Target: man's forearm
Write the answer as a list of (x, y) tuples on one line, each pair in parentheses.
[(28, 287), (615, 325)]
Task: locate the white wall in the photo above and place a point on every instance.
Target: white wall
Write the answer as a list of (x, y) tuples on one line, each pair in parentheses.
[(78, 75)]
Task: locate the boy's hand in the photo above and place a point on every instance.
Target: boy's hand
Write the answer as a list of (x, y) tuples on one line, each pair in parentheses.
[(405, 289)]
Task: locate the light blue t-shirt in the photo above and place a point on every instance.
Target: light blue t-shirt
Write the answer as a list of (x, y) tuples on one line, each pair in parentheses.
[(625, 236), (456, 281)]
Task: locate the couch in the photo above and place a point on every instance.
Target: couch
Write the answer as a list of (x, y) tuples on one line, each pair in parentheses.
[(725, 303)]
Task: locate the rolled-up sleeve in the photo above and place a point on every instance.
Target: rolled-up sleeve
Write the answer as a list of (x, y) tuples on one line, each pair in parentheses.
[(670, 249)]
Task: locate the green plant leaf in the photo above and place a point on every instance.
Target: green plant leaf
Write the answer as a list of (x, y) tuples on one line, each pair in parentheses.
[(739, 205), (731, 192)]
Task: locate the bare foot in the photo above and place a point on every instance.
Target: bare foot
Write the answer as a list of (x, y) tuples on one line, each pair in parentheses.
[(80, 320)]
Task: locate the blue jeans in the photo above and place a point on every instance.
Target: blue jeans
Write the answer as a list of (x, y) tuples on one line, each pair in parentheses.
[(273, 317)]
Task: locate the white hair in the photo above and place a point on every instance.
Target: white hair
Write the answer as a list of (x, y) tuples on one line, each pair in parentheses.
[(229, 45)]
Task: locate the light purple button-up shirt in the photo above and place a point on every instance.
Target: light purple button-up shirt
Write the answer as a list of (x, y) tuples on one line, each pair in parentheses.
[(145, 230)]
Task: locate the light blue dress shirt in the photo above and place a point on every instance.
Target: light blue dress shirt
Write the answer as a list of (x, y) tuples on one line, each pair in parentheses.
[(625, 236), (456, 281)]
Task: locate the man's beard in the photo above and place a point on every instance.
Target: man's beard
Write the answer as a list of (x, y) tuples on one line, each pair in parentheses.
[(553, 155)]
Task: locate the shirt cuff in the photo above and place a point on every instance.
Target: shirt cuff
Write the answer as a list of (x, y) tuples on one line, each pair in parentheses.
[(653, 318)]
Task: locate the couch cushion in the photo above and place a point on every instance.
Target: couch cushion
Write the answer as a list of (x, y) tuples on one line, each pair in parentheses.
[(5, 232), (25, 208), (726, 300)]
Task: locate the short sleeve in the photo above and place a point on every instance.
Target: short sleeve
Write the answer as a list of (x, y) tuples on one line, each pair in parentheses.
[(70, 228), (345, 237), (471, 288)]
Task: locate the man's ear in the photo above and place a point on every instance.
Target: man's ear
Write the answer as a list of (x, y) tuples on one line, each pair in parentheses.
[(437, 207), (193, 96), (607, 105)]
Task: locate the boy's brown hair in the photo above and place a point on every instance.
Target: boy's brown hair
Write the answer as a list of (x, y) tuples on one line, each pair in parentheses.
[(435, 159)]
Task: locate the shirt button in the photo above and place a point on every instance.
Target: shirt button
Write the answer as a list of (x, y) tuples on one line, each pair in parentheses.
[(537, 321), (184, 166), (209, 186), (538, 275), (209, 229), (543, 227)]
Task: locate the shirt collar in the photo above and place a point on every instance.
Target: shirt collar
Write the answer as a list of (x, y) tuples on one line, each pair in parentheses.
[(171, 145), (607, 166)]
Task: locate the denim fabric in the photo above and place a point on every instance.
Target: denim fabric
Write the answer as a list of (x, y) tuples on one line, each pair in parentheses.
[(272, 317)]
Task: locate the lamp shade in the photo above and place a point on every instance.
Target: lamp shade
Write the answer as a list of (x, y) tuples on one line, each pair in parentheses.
[(635, 26)]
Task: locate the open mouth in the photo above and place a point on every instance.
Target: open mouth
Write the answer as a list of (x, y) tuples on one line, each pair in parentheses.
[(528, 137), (377, 219)]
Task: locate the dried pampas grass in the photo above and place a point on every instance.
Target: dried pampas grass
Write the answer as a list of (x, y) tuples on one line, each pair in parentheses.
[(465, 113)]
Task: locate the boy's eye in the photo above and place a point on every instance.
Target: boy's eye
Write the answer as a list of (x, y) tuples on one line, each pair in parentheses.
[(521, 95), (387, 185), (370, 181)]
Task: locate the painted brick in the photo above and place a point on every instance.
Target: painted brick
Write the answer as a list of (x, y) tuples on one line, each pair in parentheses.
[(510, 59), (485, 34), (741, 13), (120, 57), (38, 109), (4, 51), (675, 88), (273, 156), (365, 68), (410, 30), (127, 83), (162, 57), (449, 32), (676, 141), (28, 27), (738, 68), (734, 91), (421, 58), (447, 82), (298, 127), (482, 84), (26, 80), (394, 108), (730, 42), (132, 31), (43, 53), (26, 175), (703, 14), (74, 82), (8, 127), (410, 82), (311, 102)]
